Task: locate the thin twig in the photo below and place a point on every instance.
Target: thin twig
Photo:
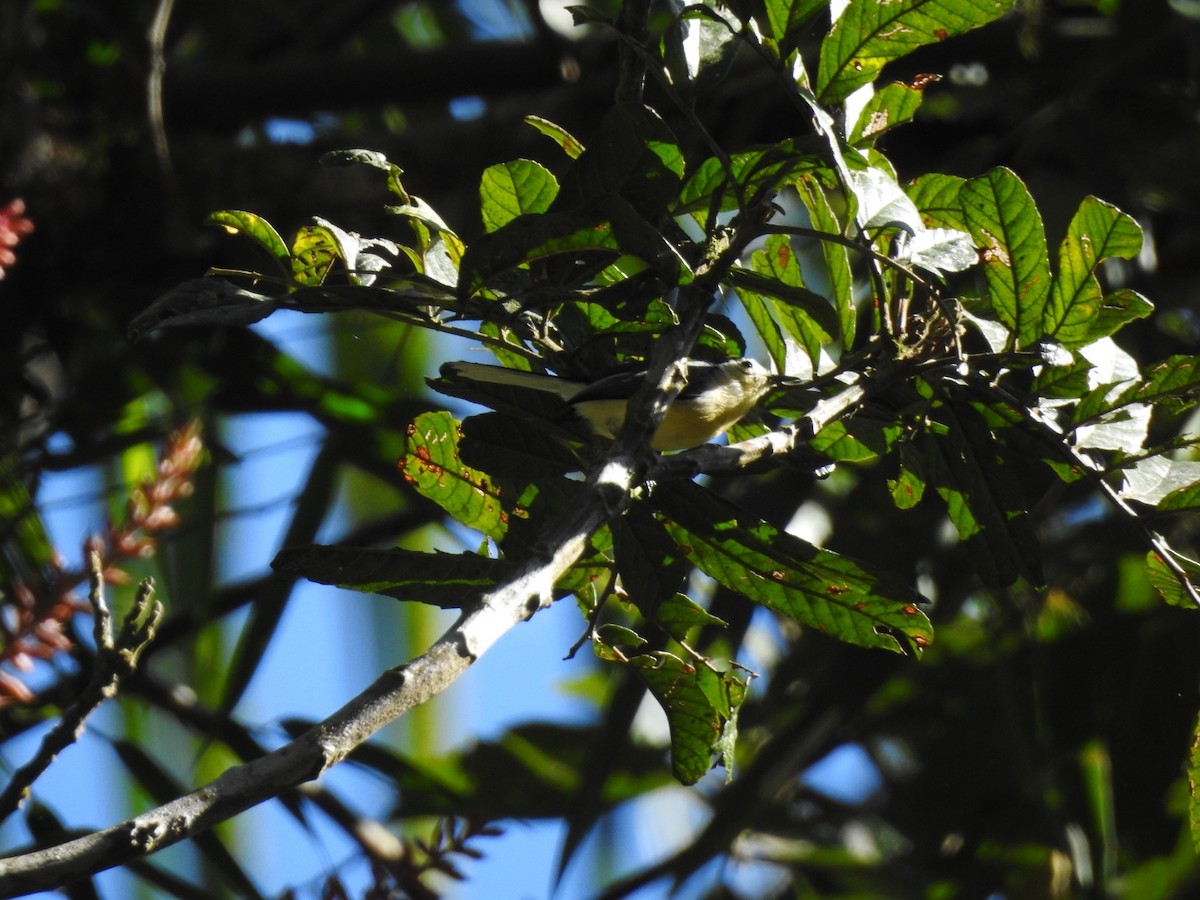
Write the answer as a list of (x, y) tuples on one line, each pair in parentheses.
[(115, 660)]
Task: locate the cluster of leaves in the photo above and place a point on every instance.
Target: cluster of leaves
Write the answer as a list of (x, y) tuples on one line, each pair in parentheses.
[(980, 366)]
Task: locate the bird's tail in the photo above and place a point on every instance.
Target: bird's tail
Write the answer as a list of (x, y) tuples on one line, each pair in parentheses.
[(499, 375)]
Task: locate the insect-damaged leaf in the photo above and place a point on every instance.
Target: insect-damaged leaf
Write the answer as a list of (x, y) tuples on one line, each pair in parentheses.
[(701, 706), (817, 587), (869, 34), (431, 465)]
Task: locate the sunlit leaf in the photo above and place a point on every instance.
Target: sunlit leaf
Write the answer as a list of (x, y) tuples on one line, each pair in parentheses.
[(936, 196), (1167, 583), (515, 188), (869, 34), (701, 706), (891, 105), (256, 228), (1073, 314), (314, 252), (785, 17), (431, 466), (1006, 224), (837, 256), (828, 592), (570, 145)]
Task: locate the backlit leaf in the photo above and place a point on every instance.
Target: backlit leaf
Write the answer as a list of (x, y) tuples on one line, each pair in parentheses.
[(258, 229), (515, 188), (1097, 232), (870, 33), (1006, 224), (828, 592), (701, 706), (432, 467)]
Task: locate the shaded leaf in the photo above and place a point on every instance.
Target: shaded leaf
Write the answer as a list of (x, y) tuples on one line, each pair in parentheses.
[(828, 592), (448, 580), (837, 256), (785, 17), (650, 564), (1193, 777), (965, 463)]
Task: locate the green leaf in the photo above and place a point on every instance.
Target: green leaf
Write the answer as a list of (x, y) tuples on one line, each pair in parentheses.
[(1174, 383), (962, 459), (701, 706), (891, 105), (1193, 778), (679, 614), (314, 252), (748, 175), (803, 316), (515, 188), (1167, 583), (817, 587), (1073, 315), (448, 580), (936, 196), (431, 465), (568, 142), (258, 229), (530, 238), (908, 487), (1007, 226), (1181, 499), (869, 34), (785, 17), (837, 442), (837, 256)]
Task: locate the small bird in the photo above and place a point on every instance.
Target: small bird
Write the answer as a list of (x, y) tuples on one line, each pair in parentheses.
[(716, 396)]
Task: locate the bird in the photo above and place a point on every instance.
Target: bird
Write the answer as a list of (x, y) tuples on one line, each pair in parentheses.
[(717, 395)]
